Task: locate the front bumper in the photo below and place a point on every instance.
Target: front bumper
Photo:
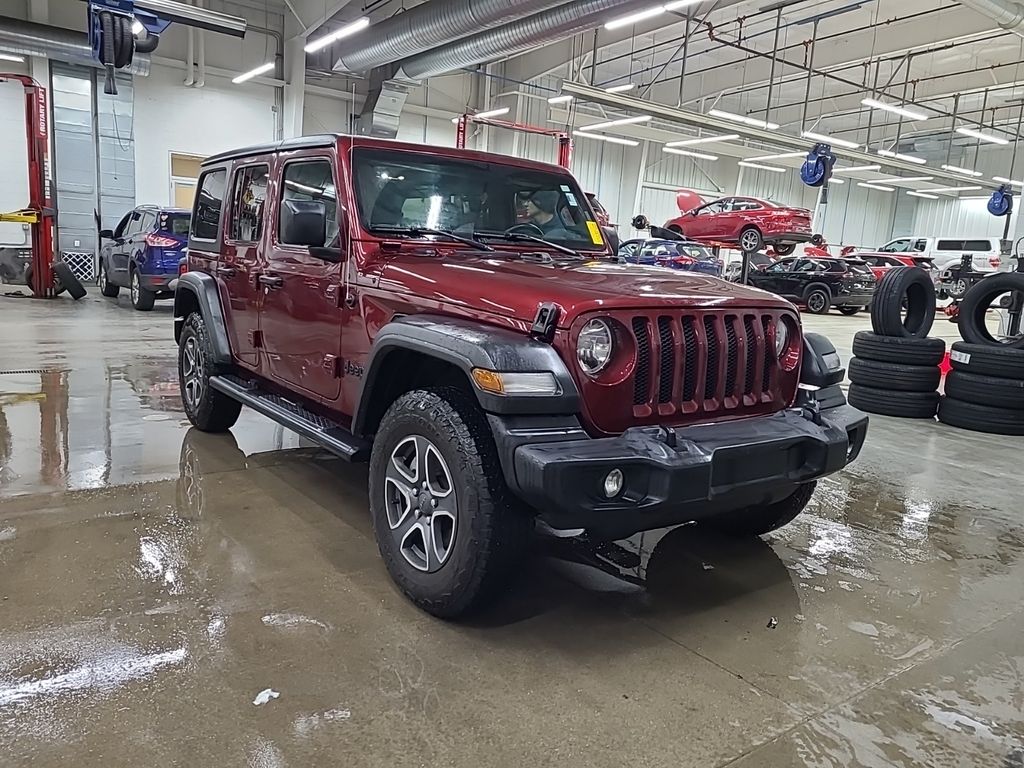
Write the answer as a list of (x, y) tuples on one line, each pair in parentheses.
[(685, 474)]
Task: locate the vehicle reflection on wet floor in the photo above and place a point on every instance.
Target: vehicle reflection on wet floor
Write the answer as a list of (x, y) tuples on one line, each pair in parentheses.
[(157, 582)]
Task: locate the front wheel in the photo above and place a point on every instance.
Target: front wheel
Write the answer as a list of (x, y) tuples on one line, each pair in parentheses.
[(207, 408), (849, 311), (142, 299), (818, 301), (757, 521), (784, 249), (107, 288), (447, 526)]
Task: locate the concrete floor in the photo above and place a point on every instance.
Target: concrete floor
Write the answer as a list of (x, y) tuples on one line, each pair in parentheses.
[(155, 580)]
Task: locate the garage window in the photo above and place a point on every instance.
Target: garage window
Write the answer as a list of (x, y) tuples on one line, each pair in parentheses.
[(209, 201), (248, 198)]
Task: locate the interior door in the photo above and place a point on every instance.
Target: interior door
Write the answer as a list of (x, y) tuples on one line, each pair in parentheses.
[(300, 316)]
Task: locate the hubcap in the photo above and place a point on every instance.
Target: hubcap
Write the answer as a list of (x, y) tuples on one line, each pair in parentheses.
[(135, 287), (192, 372), (421, 504)]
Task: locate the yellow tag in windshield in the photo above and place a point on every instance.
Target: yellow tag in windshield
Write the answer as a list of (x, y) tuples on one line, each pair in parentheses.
[(595, 233)]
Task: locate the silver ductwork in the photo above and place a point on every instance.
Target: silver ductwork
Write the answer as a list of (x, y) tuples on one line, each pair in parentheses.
[(382, 109), (27, 38), (427, 26), (1006, 13), (518, 36)]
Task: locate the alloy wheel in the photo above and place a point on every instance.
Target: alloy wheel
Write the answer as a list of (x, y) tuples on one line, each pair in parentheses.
[(135, 288), (815, 302), (421, 503), (748, 241), (192, 372)]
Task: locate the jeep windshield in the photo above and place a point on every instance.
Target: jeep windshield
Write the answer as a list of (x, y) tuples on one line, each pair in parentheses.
[(409, 191)]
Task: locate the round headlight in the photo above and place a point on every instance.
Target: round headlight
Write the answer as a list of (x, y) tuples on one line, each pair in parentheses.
[(594, 346), (781, 338)]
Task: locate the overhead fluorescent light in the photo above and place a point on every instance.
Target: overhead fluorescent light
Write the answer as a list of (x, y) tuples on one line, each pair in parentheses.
[(964, 171), (137, 27), (633, 18), (743, 119), (620, 88), (879, 187), (829, 140), (485, 114), (905, 158), (609, 139), (12, 57), (925, 195), (836, 181), (1004, 180), (563, 99), (771, 168), (903, 111), (982, 136), (912, 178), (253, 72), (349, 29), (777, 157), (954, 189), (702, 140), (974, 197), (613, 123), (855, 168), (679, 4), (688, 153)]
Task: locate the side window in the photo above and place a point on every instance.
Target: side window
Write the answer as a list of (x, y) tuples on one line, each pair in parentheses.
[(950, 245), (209, 201), (247, 200), (122, 226), (920, 245), (133, 223), (146, 222), (311, 181), (978, 245)]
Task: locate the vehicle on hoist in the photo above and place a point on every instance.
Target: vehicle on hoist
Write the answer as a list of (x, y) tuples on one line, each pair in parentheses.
[(749, 222), (384, 300)]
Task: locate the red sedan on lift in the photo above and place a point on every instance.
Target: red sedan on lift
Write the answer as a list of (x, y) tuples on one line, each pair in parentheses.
[(749, 222)]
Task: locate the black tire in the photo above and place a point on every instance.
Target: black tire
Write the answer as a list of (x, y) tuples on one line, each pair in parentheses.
[(896, 349), (784, 249), (142, 299), (986, 390), (107, 288), (125, 42), (207, 408), (1002, 362), (975, 304), (849, 311), (817, 240), (900, 287), (904, 378), (69, 280), (750, 240), (757, 521), (817, 299), (981, 418), (58, 286), (490, 526), (891, 402)]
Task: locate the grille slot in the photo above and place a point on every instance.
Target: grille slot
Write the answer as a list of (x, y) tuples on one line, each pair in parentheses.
[(769, 352), (690, 358), (748, 382), (668, 360), (733, 355), (711, 378), (642, 377)]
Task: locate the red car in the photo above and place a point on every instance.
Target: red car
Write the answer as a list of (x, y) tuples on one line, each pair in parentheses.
[(880, 263), (747, 221)]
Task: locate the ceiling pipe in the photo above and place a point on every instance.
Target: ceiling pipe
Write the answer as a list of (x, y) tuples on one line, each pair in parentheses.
[(28, 38), (1006, 13), (427, 26)]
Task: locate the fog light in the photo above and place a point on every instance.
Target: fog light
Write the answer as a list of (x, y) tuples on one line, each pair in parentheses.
[(613, 483)]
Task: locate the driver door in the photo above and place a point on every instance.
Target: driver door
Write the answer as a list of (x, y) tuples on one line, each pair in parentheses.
[(121, 248), (702, 220)]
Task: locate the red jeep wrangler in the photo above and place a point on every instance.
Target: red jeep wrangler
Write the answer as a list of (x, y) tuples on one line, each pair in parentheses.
[(388, 302)]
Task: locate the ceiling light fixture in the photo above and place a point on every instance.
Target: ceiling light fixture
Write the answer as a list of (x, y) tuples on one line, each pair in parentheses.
[(771, 168), (964, 171), (903, 111), (688, 153), (905, 158), (982, 136), (855, 168), (12, 57), (925, 195), (836, 181), (879, 187), (743, 119), (253, 73), (777, 157), (1004, 180), (702, 140), (648, 13), (955, 189), (620, 88), (564, 99), (912, 178), (613, 123), (488, 113), (349, 29), (829, 140), (609, 139)]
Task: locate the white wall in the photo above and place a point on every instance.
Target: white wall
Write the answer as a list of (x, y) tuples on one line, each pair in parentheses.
[(170, 117), (959, 218)]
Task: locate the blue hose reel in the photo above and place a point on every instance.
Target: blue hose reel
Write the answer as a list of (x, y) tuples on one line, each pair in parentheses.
[(817, 168), (1001, 202)]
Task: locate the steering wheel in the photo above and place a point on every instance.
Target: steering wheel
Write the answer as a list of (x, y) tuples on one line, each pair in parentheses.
[(528, 228)]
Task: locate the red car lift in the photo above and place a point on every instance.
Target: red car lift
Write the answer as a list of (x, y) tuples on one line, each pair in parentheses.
[(564, 139), (40, 213)]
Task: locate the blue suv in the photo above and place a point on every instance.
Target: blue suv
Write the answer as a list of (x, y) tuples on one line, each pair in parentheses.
[(142, 254)]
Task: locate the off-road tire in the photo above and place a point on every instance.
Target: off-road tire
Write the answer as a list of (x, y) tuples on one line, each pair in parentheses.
[(906, 378), (491, 526), (849, 311), (107, 288), (817, 299), (986, 390), (985, 360), (142, 299), (891, 402), (898, 349), (210, 410), (975, 304), (981, 418), (900, 287), (757, 521)]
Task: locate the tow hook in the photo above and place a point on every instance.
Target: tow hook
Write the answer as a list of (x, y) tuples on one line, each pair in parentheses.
[(668, 436)]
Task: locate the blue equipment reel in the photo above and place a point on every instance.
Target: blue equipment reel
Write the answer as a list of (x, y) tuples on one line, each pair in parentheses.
[(817, 168), (1001, 202)]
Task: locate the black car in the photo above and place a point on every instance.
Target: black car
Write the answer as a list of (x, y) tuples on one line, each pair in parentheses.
[(819, 284)]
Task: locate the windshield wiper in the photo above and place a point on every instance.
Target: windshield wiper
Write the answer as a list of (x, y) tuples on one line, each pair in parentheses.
[(421, 231), (523, 237)]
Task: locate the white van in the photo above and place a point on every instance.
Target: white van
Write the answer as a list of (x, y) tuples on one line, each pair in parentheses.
[(945, 252)]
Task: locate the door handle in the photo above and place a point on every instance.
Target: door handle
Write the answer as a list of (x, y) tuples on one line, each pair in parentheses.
[(271, 281), (226, 271)]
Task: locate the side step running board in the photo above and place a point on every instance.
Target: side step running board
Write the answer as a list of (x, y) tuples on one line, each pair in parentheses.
[(324, 432)]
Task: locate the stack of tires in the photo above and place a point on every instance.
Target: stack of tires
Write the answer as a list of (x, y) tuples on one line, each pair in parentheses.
[(985, 389), (895, 369)]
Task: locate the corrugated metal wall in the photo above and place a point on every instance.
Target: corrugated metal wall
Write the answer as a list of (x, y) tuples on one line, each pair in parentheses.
[(115, 124), (959, 218), (857, 216), (74, 152)]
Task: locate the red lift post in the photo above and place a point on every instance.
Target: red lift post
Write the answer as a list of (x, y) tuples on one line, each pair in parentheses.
[(564, 139), (40, 214)]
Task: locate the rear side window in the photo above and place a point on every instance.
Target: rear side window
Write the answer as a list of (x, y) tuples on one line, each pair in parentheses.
[(950, 245), (309, 181), (209, 201), (247, 201), (978, 245)]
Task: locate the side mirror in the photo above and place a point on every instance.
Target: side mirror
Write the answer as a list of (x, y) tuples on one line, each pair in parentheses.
[(641, 222), (304, 222), (106, 234)]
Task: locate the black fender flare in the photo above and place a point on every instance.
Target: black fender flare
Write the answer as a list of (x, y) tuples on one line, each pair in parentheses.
[(467, 344), (198, 289), (822, 366)]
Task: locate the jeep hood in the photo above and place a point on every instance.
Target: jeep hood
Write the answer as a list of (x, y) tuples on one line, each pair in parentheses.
[(516, 288)]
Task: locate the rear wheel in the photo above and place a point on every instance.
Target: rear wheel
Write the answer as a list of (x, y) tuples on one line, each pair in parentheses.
[(142, 299), (750, 240), (207, 408), (784, 249), (757, 521), (850, 311), (107, 288)]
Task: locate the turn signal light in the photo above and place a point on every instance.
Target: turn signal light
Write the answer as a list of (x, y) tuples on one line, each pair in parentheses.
[(515, 383)]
